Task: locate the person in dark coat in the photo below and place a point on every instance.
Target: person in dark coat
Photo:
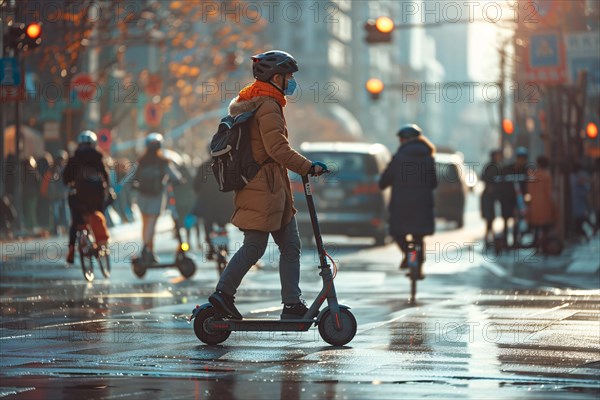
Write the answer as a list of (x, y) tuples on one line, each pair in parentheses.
[(212, 206), (489, 196), (87, 177), (514, 176), (412, 176)]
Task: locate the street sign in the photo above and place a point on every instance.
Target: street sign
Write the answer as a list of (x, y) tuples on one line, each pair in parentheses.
[(153, 115), (12, 93), (9, 72), (105, 139), (583, 53), (84, 86), (546, 59)]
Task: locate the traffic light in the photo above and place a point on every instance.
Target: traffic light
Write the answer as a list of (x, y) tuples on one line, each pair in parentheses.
[(591, 130), (507, 126), (379, 30), (374, 87), (22, 37)]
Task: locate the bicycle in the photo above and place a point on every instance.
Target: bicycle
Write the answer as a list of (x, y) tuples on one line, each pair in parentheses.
[(88, 251)]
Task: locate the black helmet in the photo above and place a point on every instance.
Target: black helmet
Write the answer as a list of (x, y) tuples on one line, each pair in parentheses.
[(409, 131), (265, 65)]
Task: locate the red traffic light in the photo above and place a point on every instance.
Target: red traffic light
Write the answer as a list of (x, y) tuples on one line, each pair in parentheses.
[(374, 86), (379, 30), (591, 130), (507, 126), (34, 31)]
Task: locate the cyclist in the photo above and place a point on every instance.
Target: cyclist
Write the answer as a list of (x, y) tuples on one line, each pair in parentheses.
[(412, 176), (87, 178)]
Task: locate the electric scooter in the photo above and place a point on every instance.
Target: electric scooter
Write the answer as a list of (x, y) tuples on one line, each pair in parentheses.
[(337, 326), (182, 261)]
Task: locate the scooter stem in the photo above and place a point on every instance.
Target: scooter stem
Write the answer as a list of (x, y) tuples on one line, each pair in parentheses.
[(315, 222)]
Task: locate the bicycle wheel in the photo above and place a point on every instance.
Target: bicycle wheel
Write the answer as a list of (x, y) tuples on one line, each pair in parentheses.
[(86, 256), (104, 260)]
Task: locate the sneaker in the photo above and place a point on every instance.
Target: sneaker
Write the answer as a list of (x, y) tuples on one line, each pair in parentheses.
[(71, 255), (224, 303), (404, 263), (294, 311), (419, 278)]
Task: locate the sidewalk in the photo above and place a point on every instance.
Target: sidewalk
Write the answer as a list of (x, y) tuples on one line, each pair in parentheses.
[(578, 262), (120, 232)]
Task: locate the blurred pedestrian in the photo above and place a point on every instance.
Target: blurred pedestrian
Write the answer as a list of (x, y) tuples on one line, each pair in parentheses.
[(513, 189), (412, 176), (490, 194), (580, 206), (212, 206), (30, 184), (595, 194), (153, 172), (8, 217), (542, 209), (44, 209), (54, 191), (122, 204), (183, 192)]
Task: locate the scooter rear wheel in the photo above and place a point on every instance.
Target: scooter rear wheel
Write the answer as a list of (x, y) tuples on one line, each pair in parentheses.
[(203, 332), (333, 336)]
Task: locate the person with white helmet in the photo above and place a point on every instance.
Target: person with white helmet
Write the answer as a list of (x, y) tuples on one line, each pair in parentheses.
[(153, 172), (87, 177)]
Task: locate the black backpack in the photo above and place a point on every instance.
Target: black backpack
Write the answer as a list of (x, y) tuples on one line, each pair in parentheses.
[(232, 162), (150, 179)]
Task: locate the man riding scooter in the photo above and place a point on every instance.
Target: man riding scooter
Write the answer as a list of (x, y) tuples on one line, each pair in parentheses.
[(87, 179)]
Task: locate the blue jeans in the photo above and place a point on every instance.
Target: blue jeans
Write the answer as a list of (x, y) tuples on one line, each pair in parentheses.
[(255, 245)]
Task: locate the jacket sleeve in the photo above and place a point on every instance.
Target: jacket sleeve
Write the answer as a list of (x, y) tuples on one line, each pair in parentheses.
[(272, 130), (67, 175), (387, 178)]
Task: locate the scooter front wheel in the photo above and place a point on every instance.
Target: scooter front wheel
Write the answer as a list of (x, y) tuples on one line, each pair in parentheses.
[(202, 330), (331, 335), (187, 267)]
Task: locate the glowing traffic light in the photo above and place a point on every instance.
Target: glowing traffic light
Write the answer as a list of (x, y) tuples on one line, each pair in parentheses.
[(384, 24), (507, 126), (591, 130), (33, 31), (21, 37), (379, 30), (374, 87)]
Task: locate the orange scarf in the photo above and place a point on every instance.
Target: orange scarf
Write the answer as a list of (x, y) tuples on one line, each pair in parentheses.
[(260, 88)]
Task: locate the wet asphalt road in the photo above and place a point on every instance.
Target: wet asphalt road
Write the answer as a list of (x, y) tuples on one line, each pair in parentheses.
[(472, 334)]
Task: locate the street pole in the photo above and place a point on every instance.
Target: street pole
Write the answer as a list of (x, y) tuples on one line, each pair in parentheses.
[(19, 181), (2, 119), (501, 102)]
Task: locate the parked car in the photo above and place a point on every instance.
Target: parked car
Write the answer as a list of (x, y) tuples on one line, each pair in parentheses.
[(348, 200), (451, 191)]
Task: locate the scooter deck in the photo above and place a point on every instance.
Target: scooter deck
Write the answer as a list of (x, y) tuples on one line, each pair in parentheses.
[(255, 324)]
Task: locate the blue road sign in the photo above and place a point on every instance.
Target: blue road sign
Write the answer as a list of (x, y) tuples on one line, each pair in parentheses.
[(9, 72), (545, 51)]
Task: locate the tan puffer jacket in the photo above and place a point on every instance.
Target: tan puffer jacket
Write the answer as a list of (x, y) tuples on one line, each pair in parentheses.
[(266, 203)]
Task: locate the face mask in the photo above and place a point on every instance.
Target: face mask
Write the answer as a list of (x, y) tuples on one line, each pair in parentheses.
[(291, 87)]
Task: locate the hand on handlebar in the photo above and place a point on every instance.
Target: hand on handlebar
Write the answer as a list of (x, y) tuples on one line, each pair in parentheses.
[(318, 168)]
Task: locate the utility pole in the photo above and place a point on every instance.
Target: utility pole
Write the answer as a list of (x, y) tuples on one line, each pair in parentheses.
[(502, 82)]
